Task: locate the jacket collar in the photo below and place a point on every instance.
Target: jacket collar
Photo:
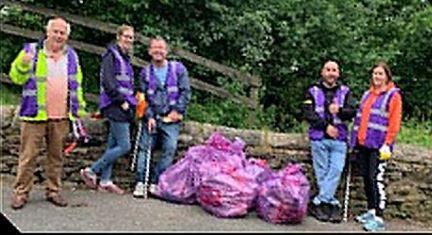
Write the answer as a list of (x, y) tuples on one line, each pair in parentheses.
[(376, 91), (321, 85)]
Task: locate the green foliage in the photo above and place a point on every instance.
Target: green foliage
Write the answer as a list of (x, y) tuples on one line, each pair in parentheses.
[(9, 95), (283, 42), (225, 113), (416, 133)]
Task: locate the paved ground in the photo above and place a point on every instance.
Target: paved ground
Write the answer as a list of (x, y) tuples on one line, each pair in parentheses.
[(95, 211)]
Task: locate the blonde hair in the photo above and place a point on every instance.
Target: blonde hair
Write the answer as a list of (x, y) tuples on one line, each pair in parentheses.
[(122, 28)]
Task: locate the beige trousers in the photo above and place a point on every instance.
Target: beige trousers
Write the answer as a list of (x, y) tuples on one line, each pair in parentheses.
[(32, 134)]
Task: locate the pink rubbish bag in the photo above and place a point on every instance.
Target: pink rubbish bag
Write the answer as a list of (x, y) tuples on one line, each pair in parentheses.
[(228, 195), (176, 183), (283, 197)]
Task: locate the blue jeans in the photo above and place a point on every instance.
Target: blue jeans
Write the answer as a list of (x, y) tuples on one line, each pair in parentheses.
[(328, 160), (118, 144), (167, 135)]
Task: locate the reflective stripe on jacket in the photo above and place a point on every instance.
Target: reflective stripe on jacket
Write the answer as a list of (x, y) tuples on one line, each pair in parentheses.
[(33, 77)]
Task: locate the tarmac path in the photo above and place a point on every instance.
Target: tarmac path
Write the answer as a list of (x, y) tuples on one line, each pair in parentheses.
[(93, 211)]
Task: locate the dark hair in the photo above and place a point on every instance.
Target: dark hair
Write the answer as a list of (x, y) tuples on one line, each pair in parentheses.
[(327, 60), (386, 68)]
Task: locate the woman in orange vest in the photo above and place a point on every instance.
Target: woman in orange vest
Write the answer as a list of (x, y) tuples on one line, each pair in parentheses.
[(376, 126)]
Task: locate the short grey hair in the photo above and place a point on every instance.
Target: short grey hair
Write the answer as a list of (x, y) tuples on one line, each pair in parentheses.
[(51, 21), (158, 38)]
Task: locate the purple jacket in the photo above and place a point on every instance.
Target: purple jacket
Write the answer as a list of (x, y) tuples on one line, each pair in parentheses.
[(29, 103), (124, 76), (174, 95), (378, 120), (319, 100)]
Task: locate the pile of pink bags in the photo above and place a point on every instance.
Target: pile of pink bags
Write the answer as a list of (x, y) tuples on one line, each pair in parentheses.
[(218, 176)]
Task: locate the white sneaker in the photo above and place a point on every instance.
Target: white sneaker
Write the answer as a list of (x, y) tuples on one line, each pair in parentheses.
[(365, 217), (89, 177), (153, 189), (139, 190)]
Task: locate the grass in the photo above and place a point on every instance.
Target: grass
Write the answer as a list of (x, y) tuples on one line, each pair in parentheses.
[(412, 132), (416, 133)]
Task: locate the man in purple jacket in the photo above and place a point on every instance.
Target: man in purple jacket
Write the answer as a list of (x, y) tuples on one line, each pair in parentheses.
[(166, 87), (327, 107)]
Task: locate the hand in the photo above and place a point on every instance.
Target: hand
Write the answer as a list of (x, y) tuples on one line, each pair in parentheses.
[(125, 106), (332, 131), (139, 96), (151, 124), (174, 116), (96, 115), (384, 153), (27, 58), (334, 108)]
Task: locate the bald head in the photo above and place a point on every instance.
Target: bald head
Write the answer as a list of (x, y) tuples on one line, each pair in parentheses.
[(330, 72), (57, 32), (331, 64), (59, 21)]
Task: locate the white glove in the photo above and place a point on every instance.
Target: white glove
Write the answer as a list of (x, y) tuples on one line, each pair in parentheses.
[(384, 152), (125, 105)]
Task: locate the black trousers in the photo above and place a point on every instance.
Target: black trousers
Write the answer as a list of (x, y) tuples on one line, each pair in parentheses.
[(372, 170)]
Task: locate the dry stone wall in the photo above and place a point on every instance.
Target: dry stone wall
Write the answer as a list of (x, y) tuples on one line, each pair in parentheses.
[(408, 178)]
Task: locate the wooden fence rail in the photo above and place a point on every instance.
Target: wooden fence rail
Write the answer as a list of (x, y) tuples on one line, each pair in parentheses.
[(253, 82), (4, 78), (195, 83)]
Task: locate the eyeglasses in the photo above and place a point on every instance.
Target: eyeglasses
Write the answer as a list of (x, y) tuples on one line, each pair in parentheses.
[(128, 36)]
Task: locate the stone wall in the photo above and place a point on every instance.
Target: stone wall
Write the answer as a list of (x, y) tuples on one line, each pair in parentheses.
[(409, 174)]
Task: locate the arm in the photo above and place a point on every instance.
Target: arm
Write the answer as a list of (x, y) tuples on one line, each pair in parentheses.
[(109, 82), (348, 111), (184, 91), (310, 115), (80, 94), (20, 72), (395, 118)]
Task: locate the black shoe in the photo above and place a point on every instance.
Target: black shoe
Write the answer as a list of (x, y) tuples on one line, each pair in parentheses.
[(334, 213), (319, 212)]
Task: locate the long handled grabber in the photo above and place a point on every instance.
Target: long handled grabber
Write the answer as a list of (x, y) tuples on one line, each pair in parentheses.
[(135, 152), (347, 193), (81, 138), (149, 154), (147, 172), (139, 114)]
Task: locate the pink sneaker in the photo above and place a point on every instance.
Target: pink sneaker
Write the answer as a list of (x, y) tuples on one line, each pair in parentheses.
[(89, 178), (111, 187)]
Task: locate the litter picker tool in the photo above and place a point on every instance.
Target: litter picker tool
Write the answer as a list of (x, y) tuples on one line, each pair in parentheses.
[(347, 193)]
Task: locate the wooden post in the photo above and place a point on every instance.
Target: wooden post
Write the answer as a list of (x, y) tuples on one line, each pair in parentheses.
[(254, 96)]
